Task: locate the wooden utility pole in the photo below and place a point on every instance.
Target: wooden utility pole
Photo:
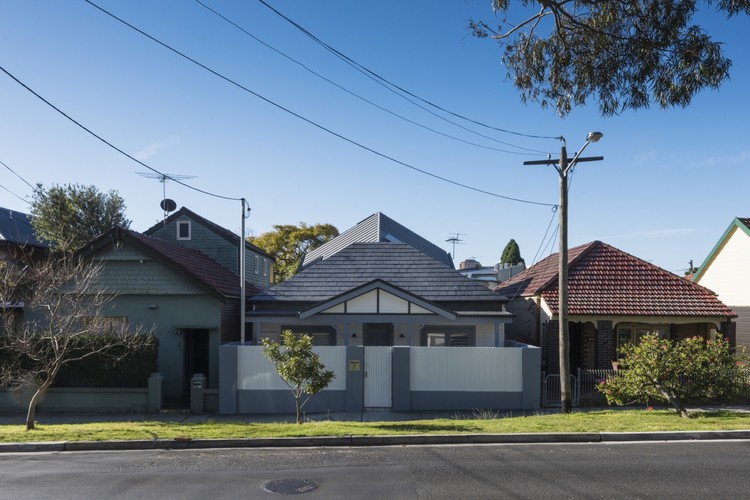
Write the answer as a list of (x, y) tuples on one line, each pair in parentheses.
[(563, 168)]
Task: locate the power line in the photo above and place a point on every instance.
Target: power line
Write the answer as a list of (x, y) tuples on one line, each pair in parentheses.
[(388, 84), (364, 99), (17, 174), (48, 103), (14, 194), (303, 118)]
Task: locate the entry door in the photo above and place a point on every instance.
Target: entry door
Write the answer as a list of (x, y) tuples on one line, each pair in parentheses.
[(378, 377), (196, 341), (378, 334)]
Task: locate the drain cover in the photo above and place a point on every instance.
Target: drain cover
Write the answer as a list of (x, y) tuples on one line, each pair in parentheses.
[(290, 486)]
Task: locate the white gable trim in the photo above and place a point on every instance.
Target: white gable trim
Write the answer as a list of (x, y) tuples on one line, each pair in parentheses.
[(377, 297)]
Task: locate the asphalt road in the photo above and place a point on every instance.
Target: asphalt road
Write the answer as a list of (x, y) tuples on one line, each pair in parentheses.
[(703, 469)]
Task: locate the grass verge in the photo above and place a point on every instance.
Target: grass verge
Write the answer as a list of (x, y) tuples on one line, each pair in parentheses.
[(594, 421)]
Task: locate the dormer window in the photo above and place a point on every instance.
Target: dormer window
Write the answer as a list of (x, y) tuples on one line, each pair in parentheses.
[(183, 230)]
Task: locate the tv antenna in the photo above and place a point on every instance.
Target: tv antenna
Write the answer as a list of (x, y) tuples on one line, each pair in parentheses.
[(455, 240), (166, 204)]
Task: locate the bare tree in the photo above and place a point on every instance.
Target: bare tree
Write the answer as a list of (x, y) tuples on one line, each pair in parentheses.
[(53, 314)]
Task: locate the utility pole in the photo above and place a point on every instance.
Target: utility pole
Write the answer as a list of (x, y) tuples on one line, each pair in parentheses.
[(564, 168), (243, 272)]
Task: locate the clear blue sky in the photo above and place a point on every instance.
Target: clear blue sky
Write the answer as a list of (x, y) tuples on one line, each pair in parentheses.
[(671, 181)]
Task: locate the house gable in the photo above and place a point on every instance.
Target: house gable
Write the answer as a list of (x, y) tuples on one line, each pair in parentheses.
[(374, 229), (377, 297), (726, 270), (188, 229)]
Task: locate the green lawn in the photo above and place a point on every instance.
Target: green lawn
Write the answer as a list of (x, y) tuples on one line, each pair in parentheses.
[(594, 421)]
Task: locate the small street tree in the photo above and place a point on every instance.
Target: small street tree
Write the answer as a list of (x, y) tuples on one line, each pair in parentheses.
[(298, 366), (675, 372), (53, 315)]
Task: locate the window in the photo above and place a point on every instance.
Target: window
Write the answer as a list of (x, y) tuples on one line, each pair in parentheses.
[(183, 230), (322, 335), (266, 263), (631, 333), (448, 336), (257, 265)]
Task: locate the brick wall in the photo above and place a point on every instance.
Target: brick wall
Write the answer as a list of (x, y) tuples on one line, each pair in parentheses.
[(605, 345)]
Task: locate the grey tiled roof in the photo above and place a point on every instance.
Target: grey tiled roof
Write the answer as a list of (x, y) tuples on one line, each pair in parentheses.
[(399, 264), (377, 228), (15, 227)]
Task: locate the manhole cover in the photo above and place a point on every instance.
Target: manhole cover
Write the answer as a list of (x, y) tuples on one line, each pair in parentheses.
[(290, 486)]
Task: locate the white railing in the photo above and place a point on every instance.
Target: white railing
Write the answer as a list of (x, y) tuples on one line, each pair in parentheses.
[(256, 372), (469, 369)]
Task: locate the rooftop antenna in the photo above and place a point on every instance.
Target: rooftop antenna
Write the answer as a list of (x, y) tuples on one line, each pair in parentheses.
[(166, 204), (455, 240)]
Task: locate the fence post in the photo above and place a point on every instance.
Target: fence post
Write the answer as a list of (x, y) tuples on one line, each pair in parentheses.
[(155, 392), (197, 393), (577, 402)]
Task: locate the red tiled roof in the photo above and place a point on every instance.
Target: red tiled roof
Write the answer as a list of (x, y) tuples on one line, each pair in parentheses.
[(603, 280)]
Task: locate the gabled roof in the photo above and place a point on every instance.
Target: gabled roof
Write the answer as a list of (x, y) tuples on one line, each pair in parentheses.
[(193, 263), (738, 224), (377, 228), (228, 235), (603, 280), (15, 227), (399, 264)]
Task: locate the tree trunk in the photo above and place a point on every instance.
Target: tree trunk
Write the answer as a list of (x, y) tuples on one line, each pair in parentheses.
[(31, 412), (297, 408), (675, 402)]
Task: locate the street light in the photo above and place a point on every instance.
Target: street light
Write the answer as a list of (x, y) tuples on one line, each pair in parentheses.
[(563, 167)]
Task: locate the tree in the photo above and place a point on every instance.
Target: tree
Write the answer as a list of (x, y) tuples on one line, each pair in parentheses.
[(511, 254), (298, 366), (625, 55), (70, 216), (675, 372), (63, 322), (289, 243)]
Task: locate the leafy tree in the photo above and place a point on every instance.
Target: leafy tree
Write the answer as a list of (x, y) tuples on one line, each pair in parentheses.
[(624, 55), (511, 254), (289, 243), (70, 216), (675, 372), (62, 322), (298, 366)]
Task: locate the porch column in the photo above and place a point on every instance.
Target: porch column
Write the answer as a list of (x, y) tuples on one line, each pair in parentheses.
[(551, 347), (729, 330), (605, 345)]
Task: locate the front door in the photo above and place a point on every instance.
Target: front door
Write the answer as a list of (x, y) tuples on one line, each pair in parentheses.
[(196, 356), (378, 334)]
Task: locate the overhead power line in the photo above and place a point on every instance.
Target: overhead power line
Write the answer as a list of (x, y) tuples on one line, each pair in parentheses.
[(392, 85), (14, 194), (295, 114), (364, 99), (91, 132), (17, 174)]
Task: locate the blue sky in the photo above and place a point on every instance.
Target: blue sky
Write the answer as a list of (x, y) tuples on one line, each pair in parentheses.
[(670, 184)]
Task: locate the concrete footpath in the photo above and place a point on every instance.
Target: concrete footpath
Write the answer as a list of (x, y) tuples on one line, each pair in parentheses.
[(367, 416)]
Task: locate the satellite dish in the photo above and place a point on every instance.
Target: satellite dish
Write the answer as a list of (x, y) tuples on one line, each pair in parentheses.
[(168, 205)]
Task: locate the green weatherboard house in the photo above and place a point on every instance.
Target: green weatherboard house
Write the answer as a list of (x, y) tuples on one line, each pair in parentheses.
[(181, 279)]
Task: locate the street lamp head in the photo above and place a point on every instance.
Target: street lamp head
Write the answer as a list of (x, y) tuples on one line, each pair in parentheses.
[(594, 136)]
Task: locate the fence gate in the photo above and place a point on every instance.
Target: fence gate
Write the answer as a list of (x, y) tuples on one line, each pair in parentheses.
[(551, 390), (378, 377)]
